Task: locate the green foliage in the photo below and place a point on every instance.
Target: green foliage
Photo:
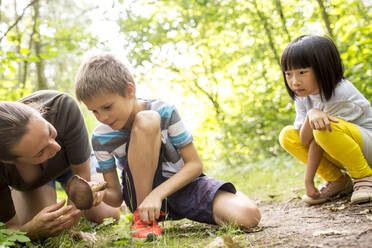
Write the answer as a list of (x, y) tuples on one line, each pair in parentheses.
[(222, 54), (42, 48), (226, 55), (11, 237), (9, 90), (355, 44)]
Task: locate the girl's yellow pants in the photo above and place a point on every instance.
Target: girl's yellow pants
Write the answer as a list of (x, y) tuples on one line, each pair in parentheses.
[(342, 149)]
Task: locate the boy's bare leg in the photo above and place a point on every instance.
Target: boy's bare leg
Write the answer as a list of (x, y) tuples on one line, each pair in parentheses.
[(102, 211), (235, 209), (143, 152)]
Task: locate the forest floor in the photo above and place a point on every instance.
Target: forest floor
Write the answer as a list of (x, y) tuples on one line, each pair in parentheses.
[(284, 223), (288, 223), (276, 185), (292, 223)]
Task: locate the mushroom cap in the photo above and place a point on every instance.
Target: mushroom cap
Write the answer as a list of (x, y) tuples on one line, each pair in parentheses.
[(79, 192)]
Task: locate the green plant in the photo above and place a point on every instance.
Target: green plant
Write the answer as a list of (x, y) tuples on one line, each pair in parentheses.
[(11, 237)]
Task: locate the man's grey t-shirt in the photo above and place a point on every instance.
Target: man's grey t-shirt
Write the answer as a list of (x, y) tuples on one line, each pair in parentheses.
[(62, 111)]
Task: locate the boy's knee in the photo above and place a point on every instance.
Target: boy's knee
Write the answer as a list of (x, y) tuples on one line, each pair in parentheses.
[(251, 216), (147, 122), (286, 135), (235, 209)]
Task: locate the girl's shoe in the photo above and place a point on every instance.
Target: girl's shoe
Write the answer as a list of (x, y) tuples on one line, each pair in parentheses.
[(330, 190), (362, 190)]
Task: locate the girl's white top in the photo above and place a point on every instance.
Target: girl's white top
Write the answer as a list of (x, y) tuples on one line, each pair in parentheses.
[(346, 103)]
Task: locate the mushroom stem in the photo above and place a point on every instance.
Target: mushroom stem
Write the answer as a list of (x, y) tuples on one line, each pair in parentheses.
[(99, 187)]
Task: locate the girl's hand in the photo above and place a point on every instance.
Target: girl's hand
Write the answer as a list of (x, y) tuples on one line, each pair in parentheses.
[(319, 120), (311, 191), (149, 209)]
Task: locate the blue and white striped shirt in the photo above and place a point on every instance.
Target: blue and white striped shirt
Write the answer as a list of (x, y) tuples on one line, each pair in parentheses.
[(110, 145)]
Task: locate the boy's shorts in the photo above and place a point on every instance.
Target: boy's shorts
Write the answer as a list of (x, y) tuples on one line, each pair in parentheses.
[(194, 201)]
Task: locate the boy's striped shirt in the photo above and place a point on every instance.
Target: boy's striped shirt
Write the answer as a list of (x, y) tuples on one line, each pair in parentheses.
[(110, 146)]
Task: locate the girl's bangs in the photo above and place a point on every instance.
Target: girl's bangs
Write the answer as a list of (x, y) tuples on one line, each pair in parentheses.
[(296, 57)]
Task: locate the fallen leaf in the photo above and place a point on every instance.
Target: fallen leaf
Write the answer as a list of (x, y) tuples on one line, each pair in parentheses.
[(341, 207), (187, 225), (334, 208), (328, 232), (88, 237), (365, 211), (229, 242), (255, 229), (106, 222), (216, 243)]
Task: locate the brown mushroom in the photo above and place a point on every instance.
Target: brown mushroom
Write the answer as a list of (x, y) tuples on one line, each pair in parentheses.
[(81, 193)]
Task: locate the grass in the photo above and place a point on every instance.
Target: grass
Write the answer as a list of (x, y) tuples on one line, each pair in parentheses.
[(273, 179), (276, 178)]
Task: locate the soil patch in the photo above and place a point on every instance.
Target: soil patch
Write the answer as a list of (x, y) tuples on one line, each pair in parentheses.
[(333, 224)]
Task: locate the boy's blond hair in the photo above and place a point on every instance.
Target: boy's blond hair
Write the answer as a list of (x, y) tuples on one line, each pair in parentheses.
[(101, 74)]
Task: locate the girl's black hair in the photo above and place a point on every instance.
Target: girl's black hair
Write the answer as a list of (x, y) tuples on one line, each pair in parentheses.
[(319, 53)]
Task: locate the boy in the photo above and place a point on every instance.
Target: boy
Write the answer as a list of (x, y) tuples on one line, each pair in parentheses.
[(161, 169)]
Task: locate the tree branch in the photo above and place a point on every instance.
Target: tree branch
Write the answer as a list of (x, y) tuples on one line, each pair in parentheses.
[(0, 11), (269, 35), (18, 19)]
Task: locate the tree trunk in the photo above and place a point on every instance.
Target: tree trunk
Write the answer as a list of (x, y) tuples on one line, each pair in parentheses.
[(325, 17), (18, 46), (267, 32), (41, 81), (279, 8), (25, 63)]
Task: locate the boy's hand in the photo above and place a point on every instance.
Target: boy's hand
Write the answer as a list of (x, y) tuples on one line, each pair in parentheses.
[(319, 120), (149, 209), (97, 196), (311, 191)]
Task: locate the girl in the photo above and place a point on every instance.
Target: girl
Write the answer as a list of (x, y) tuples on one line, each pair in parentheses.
[(333, 127)]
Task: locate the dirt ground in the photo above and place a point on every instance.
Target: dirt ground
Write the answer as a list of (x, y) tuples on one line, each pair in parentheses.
[(333, 224)]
